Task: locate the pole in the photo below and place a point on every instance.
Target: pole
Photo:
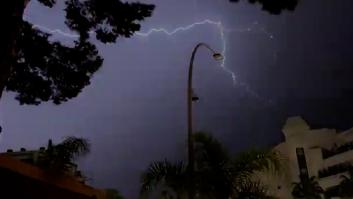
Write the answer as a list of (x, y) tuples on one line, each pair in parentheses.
[(191, 153)]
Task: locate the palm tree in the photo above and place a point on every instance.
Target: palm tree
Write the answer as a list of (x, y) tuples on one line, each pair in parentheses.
[(308, 189), (113, 194), (217, 174), (61, 157), (252, 190), (169, 177), (345, 188), (221, 175)]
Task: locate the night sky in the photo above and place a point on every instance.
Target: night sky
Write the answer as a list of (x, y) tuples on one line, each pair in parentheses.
[(134, 111)]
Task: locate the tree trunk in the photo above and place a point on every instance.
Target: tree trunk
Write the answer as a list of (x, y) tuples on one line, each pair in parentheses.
[(11, 14)]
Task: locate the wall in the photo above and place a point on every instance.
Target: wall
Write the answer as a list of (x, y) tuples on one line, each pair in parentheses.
[(299, 134)]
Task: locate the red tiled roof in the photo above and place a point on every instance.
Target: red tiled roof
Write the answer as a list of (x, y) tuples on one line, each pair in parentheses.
[(65, 182)]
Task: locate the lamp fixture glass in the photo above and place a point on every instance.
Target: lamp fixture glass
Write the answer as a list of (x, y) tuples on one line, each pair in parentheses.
[(218, 56)]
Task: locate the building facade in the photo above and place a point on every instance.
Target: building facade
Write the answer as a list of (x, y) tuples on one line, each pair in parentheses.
[(324, 153)]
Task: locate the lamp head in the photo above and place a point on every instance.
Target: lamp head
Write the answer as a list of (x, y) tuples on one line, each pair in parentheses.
[(218, 56)]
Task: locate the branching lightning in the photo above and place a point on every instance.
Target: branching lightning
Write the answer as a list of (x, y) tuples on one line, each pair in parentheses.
[(219, 26)]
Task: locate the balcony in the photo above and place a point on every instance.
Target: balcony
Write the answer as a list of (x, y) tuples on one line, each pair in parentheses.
[(335, 169), (326, 153)]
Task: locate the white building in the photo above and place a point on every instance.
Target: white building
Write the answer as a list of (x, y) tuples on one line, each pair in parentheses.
[(328, 155)]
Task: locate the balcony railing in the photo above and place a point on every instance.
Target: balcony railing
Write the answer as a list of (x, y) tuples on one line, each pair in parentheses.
[(326, 153), (335, 169)]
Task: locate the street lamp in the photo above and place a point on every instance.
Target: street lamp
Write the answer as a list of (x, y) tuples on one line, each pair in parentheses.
[(190, 98), (218, 56)]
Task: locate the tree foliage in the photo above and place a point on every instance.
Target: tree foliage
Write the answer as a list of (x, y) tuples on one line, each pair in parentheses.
[(60, 157), (252, 190), (166, 176), (274, 6), (345, 188), (46, 70), (113, 194), (217, 174), (308, 189)]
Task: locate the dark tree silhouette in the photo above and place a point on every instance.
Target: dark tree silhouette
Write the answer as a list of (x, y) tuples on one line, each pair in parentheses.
[(308, 189), (218, 174), (345, 188), (61, 157), (113, 194), (275, 6), (39, 69)]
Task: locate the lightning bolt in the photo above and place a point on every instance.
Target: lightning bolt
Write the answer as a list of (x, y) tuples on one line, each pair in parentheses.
[(218, 24), (169, 33)]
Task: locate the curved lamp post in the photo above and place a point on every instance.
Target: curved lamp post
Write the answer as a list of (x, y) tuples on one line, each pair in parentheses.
[(190, 98)]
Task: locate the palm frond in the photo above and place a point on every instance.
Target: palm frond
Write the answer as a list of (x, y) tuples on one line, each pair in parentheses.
[(164, 173), (315, 185), (61, 157), (210, 153), (251, 190), (216, 174), (74, 146), (113, 194), (298, 190), (209, 149), (309, 188), (246, 163)]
